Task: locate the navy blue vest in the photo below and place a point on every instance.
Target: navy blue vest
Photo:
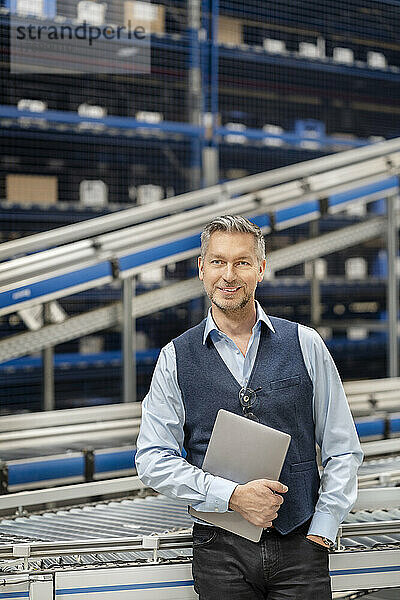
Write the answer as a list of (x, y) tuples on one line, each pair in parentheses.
[(285, 403)]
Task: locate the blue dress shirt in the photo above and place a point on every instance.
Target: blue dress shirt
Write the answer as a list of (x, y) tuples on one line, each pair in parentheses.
[(159, 459)]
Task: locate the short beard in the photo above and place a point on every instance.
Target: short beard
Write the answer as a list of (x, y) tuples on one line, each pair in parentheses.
[(227, 309)]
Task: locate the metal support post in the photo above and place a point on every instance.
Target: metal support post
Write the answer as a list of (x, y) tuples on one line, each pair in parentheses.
[(48, 366), (41, 587), (3, 478), (214, 64), (88, 457), (195, 88), (392, 242), (128, 341), (315, 283), (387, 430), (210, 165), (210, 158), (213, 157)]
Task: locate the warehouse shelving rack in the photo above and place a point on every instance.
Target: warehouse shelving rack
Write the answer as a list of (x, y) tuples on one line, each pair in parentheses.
[(188, 57)]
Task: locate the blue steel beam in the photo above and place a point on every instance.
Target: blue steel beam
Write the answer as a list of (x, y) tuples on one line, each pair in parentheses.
[(111, 138), (292, 139), (72, 118), (56, 286), (123, 124)]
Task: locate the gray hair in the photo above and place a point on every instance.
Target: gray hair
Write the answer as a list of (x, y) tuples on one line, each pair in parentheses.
[(233, 224)]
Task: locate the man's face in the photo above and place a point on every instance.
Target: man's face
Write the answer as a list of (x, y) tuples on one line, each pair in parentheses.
[(230, 270)]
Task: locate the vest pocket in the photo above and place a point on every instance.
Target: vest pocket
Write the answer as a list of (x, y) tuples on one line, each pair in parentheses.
[(302, 466), (279, 384)]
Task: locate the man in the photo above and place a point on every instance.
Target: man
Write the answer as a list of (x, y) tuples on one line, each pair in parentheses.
[(290, 376)]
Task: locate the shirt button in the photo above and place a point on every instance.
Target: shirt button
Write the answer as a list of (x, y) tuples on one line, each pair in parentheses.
[(237, 351), (216, 509)]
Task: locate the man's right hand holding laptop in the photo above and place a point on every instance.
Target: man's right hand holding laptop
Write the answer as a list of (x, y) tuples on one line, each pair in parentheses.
[(258, 501)]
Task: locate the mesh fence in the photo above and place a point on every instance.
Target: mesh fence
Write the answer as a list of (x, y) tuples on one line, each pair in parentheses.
[(253, 86)]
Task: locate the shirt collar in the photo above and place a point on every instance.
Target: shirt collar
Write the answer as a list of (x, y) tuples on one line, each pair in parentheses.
[(261, 316)]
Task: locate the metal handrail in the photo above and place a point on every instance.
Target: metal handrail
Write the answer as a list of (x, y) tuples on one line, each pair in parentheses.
[(121, 485), (372, 386), (168, 228), (78, 547), (69, 416), (373, 528), (183, 202)]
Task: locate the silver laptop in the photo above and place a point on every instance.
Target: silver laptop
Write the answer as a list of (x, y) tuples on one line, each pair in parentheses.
[(242, 450)]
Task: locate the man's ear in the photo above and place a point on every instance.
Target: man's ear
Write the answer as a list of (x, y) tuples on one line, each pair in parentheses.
[(261, 270), (200, 266)]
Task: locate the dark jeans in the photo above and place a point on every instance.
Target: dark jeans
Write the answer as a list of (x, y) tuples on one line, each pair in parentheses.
[(278, 567)]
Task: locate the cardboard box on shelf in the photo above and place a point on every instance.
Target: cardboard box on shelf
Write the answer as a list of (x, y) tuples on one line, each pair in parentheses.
[(229, 31), (32, 189), (144, 14)]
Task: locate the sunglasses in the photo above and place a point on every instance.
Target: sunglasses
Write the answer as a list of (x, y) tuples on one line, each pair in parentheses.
[(247, 399)]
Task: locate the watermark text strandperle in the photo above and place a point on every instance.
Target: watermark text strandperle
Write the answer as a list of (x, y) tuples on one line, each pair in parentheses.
[(83, 32)]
